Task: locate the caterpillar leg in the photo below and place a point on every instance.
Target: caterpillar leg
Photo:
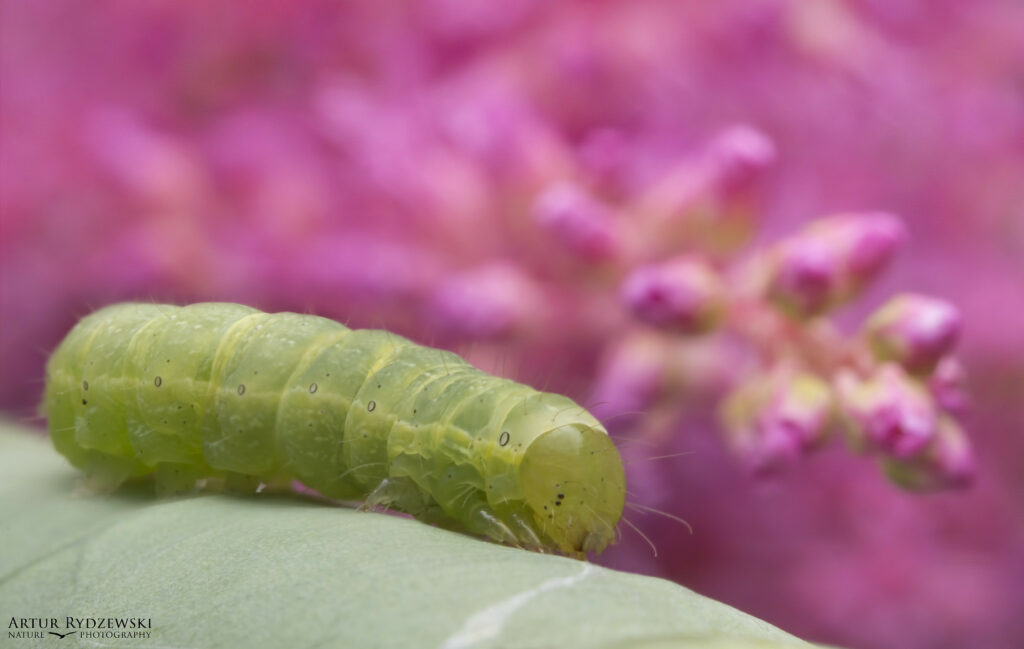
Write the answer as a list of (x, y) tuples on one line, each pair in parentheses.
[(381, 497), (526, 534), (403, 494), (399, 493), (484, 520)]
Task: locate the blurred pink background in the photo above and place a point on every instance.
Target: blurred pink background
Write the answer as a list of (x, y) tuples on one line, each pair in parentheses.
[(387, 163)]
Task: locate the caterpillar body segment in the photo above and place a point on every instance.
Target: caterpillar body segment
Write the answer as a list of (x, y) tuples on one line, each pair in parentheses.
[(216, 390)]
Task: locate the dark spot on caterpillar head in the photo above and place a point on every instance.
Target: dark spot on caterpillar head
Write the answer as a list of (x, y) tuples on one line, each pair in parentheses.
[(558, 503), (560, 496), (85, 385), (414, 411), (371, 407), (158, 381), (241, 389), (378, 386), (312, 388), (84, 402), (503, 438)]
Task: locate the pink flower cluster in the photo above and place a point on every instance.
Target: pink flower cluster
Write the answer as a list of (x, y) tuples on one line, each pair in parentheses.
[(667, 210), (892, 389)]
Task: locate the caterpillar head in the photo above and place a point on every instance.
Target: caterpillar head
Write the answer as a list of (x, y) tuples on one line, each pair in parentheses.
[(575, 487)]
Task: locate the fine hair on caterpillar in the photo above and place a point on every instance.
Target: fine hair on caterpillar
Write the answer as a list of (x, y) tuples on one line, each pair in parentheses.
[(220, 393), (645, 509)]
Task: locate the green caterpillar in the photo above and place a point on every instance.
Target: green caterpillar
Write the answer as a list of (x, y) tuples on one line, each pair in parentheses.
[(217, 391)]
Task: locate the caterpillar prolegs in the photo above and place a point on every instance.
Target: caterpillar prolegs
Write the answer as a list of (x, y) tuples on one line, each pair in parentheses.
[(223, 391)]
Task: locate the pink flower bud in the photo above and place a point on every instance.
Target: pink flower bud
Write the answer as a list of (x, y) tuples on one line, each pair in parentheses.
[(913, 330), (801, 407), (774, 448), (739, 154), (947, 462), (952, 455), (683, 294), (868, 242), (772, 421), (761, 449), (831, 260), (579, 222), (888, 411), (484, 303), (947, 386), (805, 278)]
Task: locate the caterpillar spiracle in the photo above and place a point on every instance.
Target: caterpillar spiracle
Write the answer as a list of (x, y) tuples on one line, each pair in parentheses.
[(221, 391)]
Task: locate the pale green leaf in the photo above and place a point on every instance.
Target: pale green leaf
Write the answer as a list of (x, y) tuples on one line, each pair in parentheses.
[(284, 571)]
